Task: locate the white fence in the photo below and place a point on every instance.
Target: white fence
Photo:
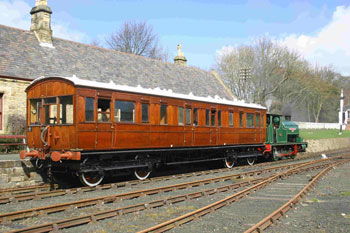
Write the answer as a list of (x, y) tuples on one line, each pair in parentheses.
[(312, 125)]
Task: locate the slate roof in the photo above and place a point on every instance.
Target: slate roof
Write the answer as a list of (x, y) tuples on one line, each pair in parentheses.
[(21, 56)]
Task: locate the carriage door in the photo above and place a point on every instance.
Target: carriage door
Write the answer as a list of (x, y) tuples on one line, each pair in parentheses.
[(213, 127), (104, 127), (188, 126)]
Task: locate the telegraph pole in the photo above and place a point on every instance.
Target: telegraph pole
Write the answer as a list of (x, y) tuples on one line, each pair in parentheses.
[(341, 112), (244, 75)]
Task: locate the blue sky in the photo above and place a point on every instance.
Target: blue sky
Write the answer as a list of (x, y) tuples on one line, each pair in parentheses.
[(319, 30)]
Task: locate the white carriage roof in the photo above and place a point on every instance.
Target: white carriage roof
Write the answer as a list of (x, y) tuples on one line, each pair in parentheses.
[(156, 91)]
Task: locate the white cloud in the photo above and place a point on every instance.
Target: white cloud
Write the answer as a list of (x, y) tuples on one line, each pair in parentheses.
[(16, 14), (330, 46)]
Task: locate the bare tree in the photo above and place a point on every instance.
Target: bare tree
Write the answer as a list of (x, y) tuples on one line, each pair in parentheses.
[(271, 66), (137, 38)]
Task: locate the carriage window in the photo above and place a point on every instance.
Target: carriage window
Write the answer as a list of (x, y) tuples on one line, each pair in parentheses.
[(249, 120), (188, 116), (262, 121), (207, 113), (181, 115), (66, 109), (145, 113), (103, 110), (230, 119), (124, 111), (35, 107), (50, 100), (89, 109), (219, 118), (195, 116), (163, 114), (50, 111), (213, 113), (241, 119), (257, 120)]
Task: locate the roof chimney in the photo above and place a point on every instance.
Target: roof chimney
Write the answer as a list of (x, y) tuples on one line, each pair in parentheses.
[(41, 22), (180, 59)]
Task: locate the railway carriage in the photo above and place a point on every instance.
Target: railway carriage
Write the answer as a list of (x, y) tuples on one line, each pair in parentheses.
[(91, 128)]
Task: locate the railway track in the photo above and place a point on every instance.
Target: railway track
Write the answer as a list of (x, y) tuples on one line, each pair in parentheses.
[(113, 198), (128, 209), (197, 214), (280, 212), (55, 193), (44, 191)]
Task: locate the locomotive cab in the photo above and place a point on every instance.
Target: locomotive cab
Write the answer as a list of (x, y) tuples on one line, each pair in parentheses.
[(282, 138)]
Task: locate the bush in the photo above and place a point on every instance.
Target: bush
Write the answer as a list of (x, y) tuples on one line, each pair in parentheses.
[(16, 125)]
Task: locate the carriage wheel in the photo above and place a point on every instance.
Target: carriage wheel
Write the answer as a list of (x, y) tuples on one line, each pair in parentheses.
[(229, 162), (251, 161), (144, 172), (275, 155), (90, 179)]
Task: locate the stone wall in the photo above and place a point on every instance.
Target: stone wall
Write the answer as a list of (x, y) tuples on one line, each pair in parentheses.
[(327, 144), (16, 173), (14, 99)]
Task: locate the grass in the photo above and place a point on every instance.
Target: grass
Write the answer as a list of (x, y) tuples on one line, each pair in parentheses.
[(345, 193), (323, 133)]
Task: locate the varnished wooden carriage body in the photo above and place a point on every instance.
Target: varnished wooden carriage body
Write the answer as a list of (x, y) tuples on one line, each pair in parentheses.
[(70, 120), (96, 123)]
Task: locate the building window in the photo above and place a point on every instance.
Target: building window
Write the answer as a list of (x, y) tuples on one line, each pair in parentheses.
[(1, 109), (66, 109), (207, 113), (89, 109), (213, 113), (195, 116), (188, 116), (257, 120), (145, 113), (181, 115), (104, 110), (124, 111), (219, 118), (230, 119), (163, 114), (241, 119), (249, 120)]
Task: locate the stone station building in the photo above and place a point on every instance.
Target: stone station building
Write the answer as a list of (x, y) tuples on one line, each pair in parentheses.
[(26, 55)]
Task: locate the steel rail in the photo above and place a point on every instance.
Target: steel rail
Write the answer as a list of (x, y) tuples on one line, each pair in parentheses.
[(271, 219), (165, 226), (45, 188), (71, 222), (47, 194), (7, 217)]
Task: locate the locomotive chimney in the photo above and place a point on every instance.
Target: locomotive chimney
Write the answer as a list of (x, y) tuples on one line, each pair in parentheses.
[(41, 22), (180, 59)]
